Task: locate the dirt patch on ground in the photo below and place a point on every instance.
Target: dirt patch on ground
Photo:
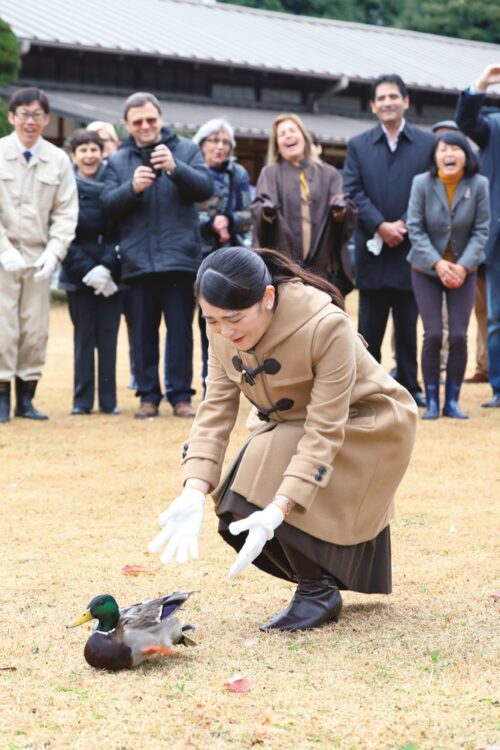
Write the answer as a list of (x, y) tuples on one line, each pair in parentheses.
[(415, 670)]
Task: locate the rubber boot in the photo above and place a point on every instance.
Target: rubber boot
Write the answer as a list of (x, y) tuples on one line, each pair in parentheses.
[(451, 407), (5, 401), (25, 391), (432, 400), (316, 600)]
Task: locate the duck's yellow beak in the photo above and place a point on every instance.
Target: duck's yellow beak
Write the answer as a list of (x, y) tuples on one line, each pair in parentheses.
[(87, 615)]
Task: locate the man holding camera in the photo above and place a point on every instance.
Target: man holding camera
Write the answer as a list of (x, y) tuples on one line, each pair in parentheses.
[(153, 183)]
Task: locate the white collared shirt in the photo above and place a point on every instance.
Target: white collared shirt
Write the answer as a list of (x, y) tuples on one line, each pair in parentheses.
[(33, 149), (393, 142)]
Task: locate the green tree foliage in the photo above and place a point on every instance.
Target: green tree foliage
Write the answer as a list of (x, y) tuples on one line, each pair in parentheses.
[(10, 63), (467, 19), (380, 12), (10, 56)]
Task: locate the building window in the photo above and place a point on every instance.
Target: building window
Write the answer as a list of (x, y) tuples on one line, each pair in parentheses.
[(280, 96), (233, 93)]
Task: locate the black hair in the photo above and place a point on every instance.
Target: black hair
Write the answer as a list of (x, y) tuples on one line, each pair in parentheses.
[(82, 136), (22, 97), (455, 138), (389, 78), (235, 278)]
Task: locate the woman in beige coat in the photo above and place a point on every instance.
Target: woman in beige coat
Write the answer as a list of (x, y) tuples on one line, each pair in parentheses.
[(314, 485)]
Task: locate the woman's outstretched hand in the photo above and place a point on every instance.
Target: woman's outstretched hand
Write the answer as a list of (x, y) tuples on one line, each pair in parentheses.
[(182, 522), (260, 526)]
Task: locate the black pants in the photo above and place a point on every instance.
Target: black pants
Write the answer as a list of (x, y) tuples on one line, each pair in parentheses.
[(429, 294), (96, 320), (170, 294), (374, 308)]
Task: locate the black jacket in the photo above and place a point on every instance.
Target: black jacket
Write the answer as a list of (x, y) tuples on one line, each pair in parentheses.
[(159, 227), (482, 124), (95, 241), (379, 181)]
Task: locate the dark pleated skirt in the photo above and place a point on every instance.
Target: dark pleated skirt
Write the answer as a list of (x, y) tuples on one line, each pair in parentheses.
[(364, 567)]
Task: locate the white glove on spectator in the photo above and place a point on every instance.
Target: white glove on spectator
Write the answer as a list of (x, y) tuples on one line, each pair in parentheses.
[(109, 289), (260, 526), (182, 521), (12, 260), (47, 263), (97, 278)]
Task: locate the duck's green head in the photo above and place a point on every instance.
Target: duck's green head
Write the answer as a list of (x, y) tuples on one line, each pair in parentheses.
[(103, 608)]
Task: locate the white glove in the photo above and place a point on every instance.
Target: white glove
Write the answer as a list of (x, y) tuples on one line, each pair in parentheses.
[(182, 521), (97, 278), (12, 260), (47, 263), (109, 289), (260, 526)]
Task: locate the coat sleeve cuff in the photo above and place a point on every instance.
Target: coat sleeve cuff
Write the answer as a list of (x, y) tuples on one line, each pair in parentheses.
[(212, 450), (303, 478), (57, 248), (201, 468), (202, 459)]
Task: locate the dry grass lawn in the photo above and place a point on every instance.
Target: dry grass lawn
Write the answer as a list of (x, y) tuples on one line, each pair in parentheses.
[(414, 671)]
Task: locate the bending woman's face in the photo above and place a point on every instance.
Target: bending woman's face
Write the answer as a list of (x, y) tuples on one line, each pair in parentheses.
[(243, 328), (290, 141), (450, 159)]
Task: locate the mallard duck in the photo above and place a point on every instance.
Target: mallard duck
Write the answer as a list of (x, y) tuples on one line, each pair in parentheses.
[(124, 638)]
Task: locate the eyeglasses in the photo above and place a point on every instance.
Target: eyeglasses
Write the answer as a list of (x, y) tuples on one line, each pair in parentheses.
[(25, 114), (144, 120), (222, 141)]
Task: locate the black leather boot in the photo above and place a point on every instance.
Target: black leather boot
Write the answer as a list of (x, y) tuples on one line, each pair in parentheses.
[(315, 602), (4, 401), (25, 391)]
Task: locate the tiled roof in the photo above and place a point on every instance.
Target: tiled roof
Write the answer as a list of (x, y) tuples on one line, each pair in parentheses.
[(233, 35)]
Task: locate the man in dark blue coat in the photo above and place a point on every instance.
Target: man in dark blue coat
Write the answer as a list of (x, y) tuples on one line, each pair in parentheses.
[(152, 185), (378, 173), (482, 124)]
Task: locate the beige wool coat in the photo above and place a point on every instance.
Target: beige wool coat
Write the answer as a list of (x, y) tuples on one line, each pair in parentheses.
[(340, 431)]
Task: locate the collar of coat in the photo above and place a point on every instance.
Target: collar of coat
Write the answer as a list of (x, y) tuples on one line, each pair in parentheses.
[(378, 133), (168, 137), (93, 186), (462, 192), (297, 304), (12, 151)]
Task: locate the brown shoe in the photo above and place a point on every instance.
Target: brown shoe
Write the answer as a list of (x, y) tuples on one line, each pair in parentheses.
[(478, 377), (146, 410), (184, 409)]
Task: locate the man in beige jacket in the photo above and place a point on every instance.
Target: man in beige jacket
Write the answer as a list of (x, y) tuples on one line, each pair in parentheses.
[(38, 215)]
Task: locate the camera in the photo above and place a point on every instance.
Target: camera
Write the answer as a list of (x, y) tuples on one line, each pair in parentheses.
[(146, 160)]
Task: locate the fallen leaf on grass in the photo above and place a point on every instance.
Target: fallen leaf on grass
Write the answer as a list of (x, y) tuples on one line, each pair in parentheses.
[(135, 570), (237, 684)]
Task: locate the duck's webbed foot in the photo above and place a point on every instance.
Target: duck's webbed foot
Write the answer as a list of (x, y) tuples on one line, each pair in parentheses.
[(157, 648)]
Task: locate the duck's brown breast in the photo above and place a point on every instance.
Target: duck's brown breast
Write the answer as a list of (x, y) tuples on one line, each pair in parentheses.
[(104, 651)]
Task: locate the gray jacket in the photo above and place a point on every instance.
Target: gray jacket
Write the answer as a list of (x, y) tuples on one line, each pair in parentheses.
[(432, 225)]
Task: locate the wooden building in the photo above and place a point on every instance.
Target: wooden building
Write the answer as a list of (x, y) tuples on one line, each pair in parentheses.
[(203, 59)]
